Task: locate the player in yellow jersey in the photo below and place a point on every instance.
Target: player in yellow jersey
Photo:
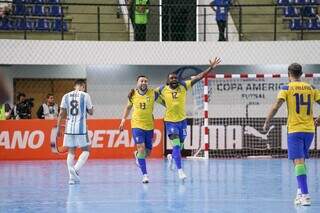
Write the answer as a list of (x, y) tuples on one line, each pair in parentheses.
[(174, 95), (142, 101), (300, 97)]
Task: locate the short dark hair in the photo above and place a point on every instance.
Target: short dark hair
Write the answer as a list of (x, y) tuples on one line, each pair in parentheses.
[(295, 69), (20, 94), (49, 94), (80, 82), (171, 73), (141, 76)]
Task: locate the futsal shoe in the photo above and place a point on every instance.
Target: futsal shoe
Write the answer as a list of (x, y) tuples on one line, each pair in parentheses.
[(182, 175), (75, 175), (136, 158), (145, 179), (297, 200), (170, 162), (303, 200)]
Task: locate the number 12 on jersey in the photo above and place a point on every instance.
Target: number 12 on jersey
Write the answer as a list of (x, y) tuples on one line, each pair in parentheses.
[(300, 102)]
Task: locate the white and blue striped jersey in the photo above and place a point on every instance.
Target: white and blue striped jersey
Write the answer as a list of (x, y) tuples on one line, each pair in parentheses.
[(76, 103)]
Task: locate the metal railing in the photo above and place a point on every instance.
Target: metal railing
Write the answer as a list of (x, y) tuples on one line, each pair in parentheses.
[(111, 22)]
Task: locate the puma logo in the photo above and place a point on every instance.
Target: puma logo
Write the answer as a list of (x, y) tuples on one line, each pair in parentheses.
[(249, 130)]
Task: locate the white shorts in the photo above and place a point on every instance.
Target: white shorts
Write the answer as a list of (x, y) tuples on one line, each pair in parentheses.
[(75, 140)]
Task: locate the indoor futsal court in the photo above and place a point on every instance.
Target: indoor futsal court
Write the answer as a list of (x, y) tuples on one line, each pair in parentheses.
[(113, 186), (160, 106)]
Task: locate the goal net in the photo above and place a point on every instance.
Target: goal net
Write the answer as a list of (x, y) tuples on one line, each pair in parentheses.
[(229, 113)]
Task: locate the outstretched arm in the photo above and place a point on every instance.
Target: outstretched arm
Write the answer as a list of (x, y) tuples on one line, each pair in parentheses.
[(273, 111), (213, 64)]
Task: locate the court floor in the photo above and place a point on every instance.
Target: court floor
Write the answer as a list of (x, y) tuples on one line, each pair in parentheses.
[(115, 186)]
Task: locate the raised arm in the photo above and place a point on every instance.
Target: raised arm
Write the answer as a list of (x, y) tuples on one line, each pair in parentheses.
[(273, 111), (213, 64)]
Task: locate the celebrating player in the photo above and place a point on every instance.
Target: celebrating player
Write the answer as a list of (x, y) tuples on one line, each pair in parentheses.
[(142, 100), (300, 97), (174, 95), (75, 105)]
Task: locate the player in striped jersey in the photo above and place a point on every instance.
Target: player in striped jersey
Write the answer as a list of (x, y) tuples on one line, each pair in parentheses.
[(75, 105), (174, 94), (141, 100), (300, 97)]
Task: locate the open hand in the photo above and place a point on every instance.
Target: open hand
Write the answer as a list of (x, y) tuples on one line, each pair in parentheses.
[(214, 62)]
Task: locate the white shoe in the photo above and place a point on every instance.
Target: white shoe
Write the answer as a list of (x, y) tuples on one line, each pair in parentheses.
[(297, 200), (136, 157), (170, 161), (181, 174), (303, 200), (145, 179), (75, 175)]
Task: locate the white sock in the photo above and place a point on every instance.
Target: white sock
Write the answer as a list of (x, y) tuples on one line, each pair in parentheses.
[(82, 160), (70, 159), (299, 191)]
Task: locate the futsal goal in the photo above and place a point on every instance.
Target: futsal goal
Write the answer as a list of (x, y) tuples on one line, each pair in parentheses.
[(229, 113)]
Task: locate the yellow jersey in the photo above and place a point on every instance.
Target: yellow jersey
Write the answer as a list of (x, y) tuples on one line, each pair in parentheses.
[(142, 115), (300, 97), (175, 101)]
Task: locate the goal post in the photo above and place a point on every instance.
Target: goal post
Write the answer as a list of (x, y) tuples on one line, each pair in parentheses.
[(229, 112)]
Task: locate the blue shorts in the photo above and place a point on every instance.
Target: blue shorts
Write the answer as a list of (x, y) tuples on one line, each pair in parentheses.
[(177, 128), (143, 136), (299, 144)]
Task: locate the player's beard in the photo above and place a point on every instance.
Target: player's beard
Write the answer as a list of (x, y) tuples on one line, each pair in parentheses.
[(143, 88), (173, 84)]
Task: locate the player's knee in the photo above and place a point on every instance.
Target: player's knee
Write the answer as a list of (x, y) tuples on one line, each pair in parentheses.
[(85, 149), (298, 161), (141, 153), (71, 150), (300, 169), (176, 142)]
